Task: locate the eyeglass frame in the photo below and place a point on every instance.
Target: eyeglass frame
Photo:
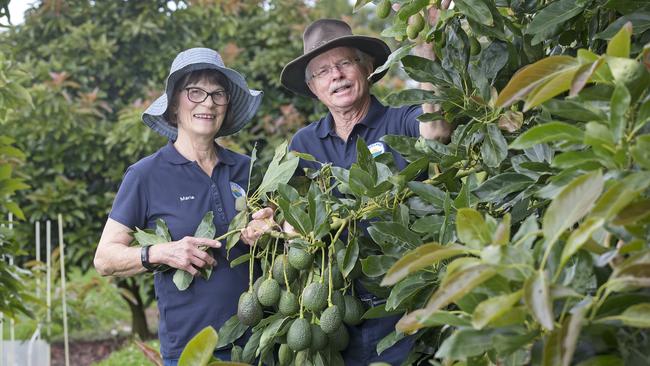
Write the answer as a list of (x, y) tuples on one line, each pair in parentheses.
[(326, 70), (211, 95)]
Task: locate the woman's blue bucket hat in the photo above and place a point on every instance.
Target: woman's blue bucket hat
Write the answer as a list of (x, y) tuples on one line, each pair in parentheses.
[(243, 101)]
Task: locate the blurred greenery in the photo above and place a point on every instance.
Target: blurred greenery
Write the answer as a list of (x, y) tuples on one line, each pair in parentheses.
[(130, 355)]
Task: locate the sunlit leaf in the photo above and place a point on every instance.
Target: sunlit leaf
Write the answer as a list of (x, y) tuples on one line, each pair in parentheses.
[(538, 299), (572, 203), (424, 256), (493, 308), (472, 229), (548, 132), (619, 45), (199, 349)]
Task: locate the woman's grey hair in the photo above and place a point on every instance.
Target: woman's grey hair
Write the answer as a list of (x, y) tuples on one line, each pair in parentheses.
[(209, 75), (364, 59)]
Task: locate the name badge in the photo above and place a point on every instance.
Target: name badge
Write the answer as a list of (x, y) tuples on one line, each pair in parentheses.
[(376, 149)]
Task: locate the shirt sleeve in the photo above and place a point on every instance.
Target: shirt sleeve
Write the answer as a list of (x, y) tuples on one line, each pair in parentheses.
[(410, 124), (130, 204)]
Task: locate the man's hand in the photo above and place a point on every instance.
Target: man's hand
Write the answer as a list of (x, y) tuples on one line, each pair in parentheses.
[(261, 223)]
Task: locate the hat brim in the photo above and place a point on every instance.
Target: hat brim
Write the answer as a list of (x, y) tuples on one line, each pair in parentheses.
[(243, 104), (293, 74)]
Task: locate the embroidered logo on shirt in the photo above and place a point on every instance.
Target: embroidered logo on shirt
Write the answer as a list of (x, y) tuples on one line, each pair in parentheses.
[(376, 149), (186, 198), (237, 190)]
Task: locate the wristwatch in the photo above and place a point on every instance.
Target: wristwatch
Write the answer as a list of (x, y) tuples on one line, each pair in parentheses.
[(144, 258)]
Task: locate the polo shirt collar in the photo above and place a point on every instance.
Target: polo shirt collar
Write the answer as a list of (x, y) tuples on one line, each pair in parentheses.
[(376, 110), (172, 155)]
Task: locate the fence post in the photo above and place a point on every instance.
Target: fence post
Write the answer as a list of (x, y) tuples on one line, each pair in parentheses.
[(48, 285), (63, 294), (38, 258)]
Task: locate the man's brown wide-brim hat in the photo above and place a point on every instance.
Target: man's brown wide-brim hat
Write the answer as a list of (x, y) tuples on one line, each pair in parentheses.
[(323, 35)]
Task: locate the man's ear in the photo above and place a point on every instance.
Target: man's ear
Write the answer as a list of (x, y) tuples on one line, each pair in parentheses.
[(310, 87)]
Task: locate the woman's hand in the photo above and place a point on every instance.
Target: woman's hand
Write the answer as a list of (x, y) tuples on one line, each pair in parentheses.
[(187, 254)]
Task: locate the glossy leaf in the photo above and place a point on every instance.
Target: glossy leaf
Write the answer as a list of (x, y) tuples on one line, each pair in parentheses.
[(554, 14), (377, 265), (206, 228), (472, 229), (280, 170), (350, 258), (538, 299), (393, 237), (394, 57), (403, 290), (497, 187), (502, 233), (144, 238), (199, 349), (571, 330), (619, 45), (620, 103), (428, 192), (494, 148), (182, 279), (389, 341), (476, 10), (493, 308), (238, 222), (606, 360), (425, 70), (641, 151), (548, 132), (230, 331), (637, 316), (583, 75), (466, 343), (424, 256), (572, 203), (579, 237), (459, 284), (552, 87), (532, 76)]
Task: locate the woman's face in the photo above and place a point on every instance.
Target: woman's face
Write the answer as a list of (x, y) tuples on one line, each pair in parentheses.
[(202, 119)]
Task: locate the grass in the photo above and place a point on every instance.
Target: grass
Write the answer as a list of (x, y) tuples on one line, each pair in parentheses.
[(130, 355)]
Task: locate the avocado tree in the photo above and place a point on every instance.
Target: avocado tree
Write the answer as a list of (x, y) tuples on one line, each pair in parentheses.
[(13, 297), (527, 242)]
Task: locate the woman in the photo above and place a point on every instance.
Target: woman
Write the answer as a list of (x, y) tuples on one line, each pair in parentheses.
[(180, 183)]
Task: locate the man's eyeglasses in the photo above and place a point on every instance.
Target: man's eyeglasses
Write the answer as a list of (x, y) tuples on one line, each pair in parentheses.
[(343, 66), (198, 95)]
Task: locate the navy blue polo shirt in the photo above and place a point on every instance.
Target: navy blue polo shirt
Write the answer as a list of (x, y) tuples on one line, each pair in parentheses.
[(166, 185), (321, 141)]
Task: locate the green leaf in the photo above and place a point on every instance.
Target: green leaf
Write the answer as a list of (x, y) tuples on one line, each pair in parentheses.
[(455, 286), (606, 360), (640, 23), (620, 194), (579, 237), (377, 265), (475, 9), (497, 187), (199, 349), (394, 57), (552, 87), (280, 170), (378, 312), (619, 45), (637, 316), (493, 308), (641, 151), (584, 75), (238, 222), (389, 341), (548, 132), (464, 343), (556, 13), (426, 70), (144, 238), (365, 160), (358, 4), (206, 228), (350, 258), (532, 76), (538, 299), (403, 291), (182, 279), (424, 256), (230, 331), (571, 330), (162, 230), (412, 96), (620, 103), (633, 213), (441, 318), (472, 229), (571, 204), (14, 209), (429, 193), (494, 148), (502, 233), (276, 328), (411, 8), (574, 110), (393, 237)]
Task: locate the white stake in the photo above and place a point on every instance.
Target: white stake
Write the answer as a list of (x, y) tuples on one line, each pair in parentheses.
[(12, 322), (65, 308), (48, 275), (38, 258)]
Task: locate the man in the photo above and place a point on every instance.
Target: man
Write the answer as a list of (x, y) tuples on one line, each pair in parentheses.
[(335, 68)]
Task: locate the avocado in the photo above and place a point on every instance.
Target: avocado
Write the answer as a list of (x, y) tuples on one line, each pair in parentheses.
[(353, 310), (300, 259), (269, 292), (331, 319), (288, 304), (279, 268), (249, 310), (318, 338), (383, 9), (285, 355), (299, 335), (314, 297), (339, 340)]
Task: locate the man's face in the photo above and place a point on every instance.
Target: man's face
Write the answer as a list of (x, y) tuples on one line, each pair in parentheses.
[(338, 79)]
